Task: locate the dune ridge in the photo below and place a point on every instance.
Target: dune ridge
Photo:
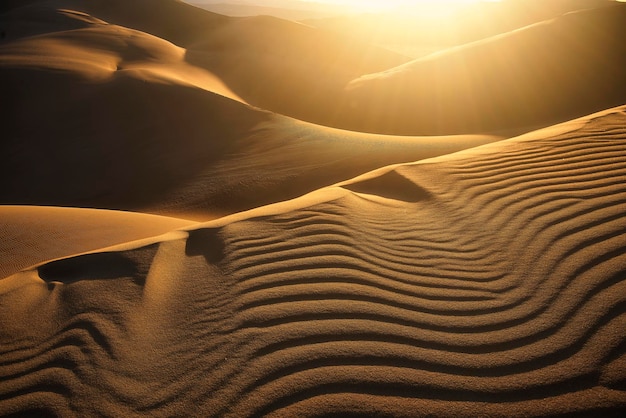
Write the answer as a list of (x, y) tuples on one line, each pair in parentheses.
[(490, 281)]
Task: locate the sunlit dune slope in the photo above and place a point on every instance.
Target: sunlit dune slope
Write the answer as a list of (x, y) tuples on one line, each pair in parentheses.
[(490, 282), (31, 234), (538, 75), (106, 116)]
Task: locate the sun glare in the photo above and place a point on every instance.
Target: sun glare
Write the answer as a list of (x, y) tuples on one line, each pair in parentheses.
[(435, 6)]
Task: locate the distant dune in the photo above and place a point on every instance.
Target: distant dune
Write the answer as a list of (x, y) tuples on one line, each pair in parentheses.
[(311, 262), (523, 71), (288, 9), (535, 76), (514, 80)]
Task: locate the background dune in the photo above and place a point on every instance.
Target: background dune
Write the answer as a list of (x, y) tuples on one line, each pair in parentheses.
[(291, 59), (285, 9), (513, 81), (535, 76), (160, 18)]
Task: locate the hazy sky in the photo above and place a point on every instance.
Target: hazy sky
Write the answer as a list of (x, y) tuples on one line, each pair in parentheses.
[(391, 4), (386, 4)]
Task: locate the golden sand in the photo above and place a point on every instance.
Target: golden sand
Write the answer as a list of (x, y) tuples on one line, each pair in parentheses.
[(305, 266)]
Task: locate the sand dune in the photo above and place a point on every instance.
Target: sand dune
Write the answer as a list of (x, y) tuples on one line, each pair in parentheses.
[(536, 76), (160, 18), (532, 77), (304, 70), (335, 272), (123, 121), (98, 52), (291, 59), (489, 282)]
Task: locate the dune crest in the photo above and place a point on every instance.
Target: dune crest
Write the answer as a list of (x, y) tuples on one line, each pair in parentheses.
[(101, 51)]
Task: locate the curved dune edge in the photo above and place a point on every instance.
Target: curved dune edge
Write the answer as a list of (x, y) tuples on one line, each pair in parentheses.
[(488, 283), (32, 235)]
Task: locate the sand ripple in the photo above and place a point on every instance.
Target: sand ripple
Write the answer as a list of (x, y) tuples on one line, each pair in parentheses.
[(486, 283)]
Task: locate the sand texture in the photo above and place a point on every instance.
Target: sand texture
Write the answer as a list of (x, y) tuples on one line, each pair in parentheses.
[(491, 280), (258, 252)]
